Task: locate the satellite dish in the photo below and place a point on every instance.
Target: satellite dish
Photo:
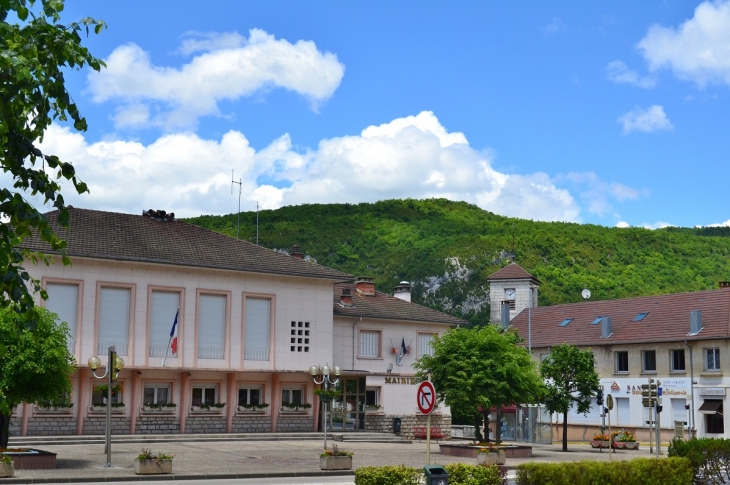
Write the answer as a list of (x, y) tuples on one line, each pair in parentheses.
[(586, 293)]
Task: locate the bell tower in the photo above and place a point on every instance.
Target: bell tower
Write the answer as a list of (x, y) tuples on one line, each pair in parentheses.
[(512, 285)]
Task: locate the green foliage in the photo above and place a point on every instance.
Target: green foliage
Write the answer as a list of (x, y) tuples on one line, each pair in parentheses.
[(33, 54), (387, 475), (639, 471), (708, 457), (422, 241), (462, 474), (473, 368), (37, 365), (572, 380)]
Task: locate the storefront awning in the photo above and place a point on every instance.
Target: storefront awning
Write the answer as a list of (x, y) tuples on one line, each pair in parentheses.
[(710, 407)]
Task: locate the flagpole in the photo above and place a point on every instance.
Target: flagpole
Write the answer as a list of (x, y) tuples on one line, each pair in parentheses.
[(169, 342)]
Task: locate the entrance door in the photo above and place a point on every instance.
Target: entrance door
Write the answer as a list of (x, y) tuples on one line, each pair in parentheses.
[(348, 409)]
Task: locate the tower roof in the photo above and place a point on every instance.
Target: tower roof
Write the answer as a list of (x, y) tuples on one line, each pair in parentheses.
[(512, 271)]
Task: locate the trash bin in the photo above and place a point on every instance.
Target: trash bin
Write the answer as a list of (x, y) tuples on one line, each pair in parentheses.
[(436, 475), (396, 425)]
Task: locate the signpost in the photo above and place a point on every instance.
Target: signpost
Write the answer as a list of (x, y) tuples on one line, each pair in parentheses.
[(609, 407), (426, 401)]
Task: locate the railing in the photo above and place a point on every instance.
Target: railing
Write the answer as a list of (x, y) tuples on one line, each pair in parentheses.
[(256, 354), (102, 348), (210, 352), (159, 350)]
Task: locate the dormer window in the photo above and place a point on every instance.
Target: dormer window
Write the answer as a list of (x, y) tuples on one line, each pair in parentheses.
[(597, 321), (565, 322), (640, 316)]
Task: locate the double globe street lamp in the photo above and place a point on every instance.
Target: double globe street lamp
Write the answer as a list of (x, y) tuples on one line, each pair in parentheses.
[(322, 375), (115, 363)]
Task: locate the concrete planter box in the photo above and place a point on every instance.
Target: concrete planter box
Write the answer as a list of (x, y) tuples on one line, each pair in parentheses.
[(53, 410), (164, 410), (202, 410), (626, 445), (600, 444), (287, 410), (7, 470), (491, 458), (152, 467), (102, 409), (243, 410), (335, 462)]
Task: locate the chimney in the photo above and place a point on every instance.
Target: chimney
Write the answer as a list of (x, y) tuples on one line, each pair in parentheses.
[(403, 291), (505, 314), (606, 327), (365, 286), (346, 297), (695, 322), (296, 252), (725, 284)]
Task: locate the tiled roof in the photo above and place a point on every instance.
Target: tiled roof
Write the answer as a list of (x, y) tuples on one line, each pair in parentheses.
[(667, 319), (512, 271), (126, 237), (382, 305)]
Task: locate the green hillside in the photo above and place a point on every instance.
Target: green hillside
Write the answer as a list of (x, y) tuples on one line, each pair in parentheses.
[(447, 249)]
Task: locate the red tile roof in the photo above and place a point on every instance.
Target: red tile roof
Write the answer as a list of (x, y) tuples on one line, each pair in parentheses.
[(668, 319), (512, 271), (382, 305), (127, 237)]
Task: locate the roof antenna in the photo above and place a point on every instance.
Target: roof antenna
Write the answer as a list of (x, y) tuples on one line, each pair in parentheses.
[(238, 222)]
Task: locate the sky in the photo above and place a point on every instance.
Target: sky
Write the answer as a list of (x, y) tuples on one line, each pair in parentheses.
[(601, 112)]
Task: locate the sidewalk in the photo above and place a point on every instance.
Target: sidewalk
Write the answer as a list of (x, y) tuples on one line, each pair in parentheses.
[(255, 459)]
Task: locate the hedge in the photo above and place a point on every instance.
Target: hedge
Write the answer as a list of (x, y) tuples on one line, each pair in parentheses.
[(709, 458), (640, 471), (459, 474)]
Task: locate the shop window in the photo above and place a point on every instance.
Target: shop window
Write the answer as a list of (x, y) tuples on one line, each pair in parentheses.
[(292, 395), (369, 343), (648, 360), (712, 359), (249, 395), (622, 361), (677, 360), (205, 394), (156, 393)]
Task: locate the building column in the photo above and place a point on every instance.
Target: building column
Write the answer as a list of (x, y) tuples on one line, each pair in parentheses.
[(81, 400), (315, 412), (231, 395), (184, 394), (275, 400), (27, 409), (133, 398)]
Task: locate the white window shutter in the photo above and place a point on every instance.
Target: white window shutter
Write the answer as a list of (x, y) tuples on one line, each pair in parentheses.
[(114, 319), (163, 307), (369, 343), (63, 301), (211, 326), (425, 341), (258, 321)]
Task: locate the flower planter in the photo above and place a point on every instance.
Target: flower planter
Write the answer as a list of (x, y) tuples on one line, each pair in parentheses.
[(7, 469), (165, 410), (53, 410), (286, 410), (102, 409), (243, 410), (335, 462), (152, 467), (373, 410), (202, 410), (491, 459), (626, 445), (600, 444)]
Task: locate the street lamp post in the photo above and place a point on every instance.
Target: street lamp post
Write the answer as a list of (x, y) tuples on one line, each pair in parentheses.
[(321, 375), (115, 363)]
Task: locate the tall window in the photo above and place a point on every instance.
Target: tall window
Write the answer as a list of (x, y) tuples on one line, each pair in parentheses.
[(99, 394), (292, 395), (205, 394), (114, 320), (712, 359), (714, 422), (677, 360), (63, 301), (156, 393), (211, 326), (163, 307), (249, 395), (622, 361), (425, 341), (369, 343), (372, 396), (258, 321), (648, 360)]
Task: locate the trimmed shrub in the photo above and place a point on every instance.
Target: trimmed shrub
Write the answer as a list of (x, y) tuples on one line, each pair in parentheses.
[(461, 474), (640, 471), (388, 475), (709, 458)]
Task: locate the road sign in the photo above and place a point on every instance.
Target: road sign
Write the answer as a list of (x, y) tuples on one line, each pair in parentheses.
[(659, 391), (426, 397), (609, 402)]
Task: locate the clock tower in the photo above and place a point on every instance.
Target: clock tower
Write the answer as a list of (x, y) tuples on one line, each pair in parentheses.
[(512, 285)]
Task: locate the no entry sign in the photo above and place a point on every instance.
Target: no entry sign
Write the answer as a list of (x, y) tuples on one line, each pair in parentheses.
[(426, 397)]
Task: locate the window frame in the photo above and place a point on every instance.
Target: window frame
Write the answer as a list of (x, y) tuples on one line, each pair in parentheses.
[(156, 385), (420, 352), (672, 368), (715, 423), (180, 321), (248, 388), (376, 392), (226, 323), (294, 387), (617, 357), (117, 397), (204, 386), (715, 359), (380, 343), (100, 285), (645, 356), (271, 330), (79, 308)]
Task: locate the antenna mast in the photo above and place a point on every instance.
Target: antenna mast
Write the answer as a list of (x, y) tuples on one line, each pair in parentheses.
[(238, 222), (257, 222)]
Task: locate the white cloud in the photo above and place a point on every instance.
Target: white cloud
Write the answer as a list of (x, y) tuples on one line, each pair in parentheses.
[(556, 25), (656, 225), (408, 157), (647, 120), (698, 50), (597, 194), (622, 224), (227, 67), (718, 224), (619, 73)]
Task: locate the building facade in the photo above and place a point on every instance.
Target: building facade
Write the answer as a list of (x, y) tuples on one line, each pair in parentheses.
[(251, 322)]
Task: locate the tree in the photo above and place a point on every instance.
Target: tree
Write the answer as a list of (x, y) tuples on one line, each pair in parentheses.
[(33, 55), (571, 380), (477, 369), (37, 365)]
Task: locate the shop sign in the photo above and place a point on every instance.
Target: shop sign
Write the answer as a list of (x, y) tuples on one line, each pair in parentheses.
[(712, 391)]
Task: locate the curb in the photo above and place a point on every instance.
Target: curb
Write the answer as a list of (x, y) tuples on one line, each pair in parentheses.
[(171, 477)]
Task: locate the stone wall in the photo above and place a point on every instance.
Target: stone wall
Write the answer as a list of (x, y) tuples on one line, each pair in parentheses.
[(290, 424), (205, 424), (97, 425), (16, 423), (251, 424), (157, 425), (52, 426), (383, 423)]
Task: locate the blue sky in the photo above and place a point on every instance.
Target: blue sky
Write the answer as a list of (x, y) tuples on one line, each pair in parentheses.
[(600, 112)]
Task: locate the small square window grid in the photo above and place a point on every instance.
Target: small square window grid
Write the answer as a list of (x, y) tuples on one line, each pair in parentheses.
[(299, 336)]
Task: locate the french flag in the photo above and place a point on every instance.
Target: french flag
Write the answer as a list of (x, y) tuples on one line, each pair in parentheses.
[(173, 334)]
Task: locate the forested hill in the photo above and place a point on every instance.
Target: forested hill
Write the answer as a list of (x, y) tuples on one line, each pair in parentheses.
[(447, 249)]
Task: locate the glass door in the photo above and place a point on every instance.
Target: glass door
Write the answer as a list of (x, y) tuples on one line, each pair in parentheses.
[(347, 411)]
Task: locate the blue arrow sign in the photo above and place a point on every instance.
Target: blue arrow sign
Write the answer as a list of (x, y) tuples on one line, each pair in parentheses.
[(659, 391)]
